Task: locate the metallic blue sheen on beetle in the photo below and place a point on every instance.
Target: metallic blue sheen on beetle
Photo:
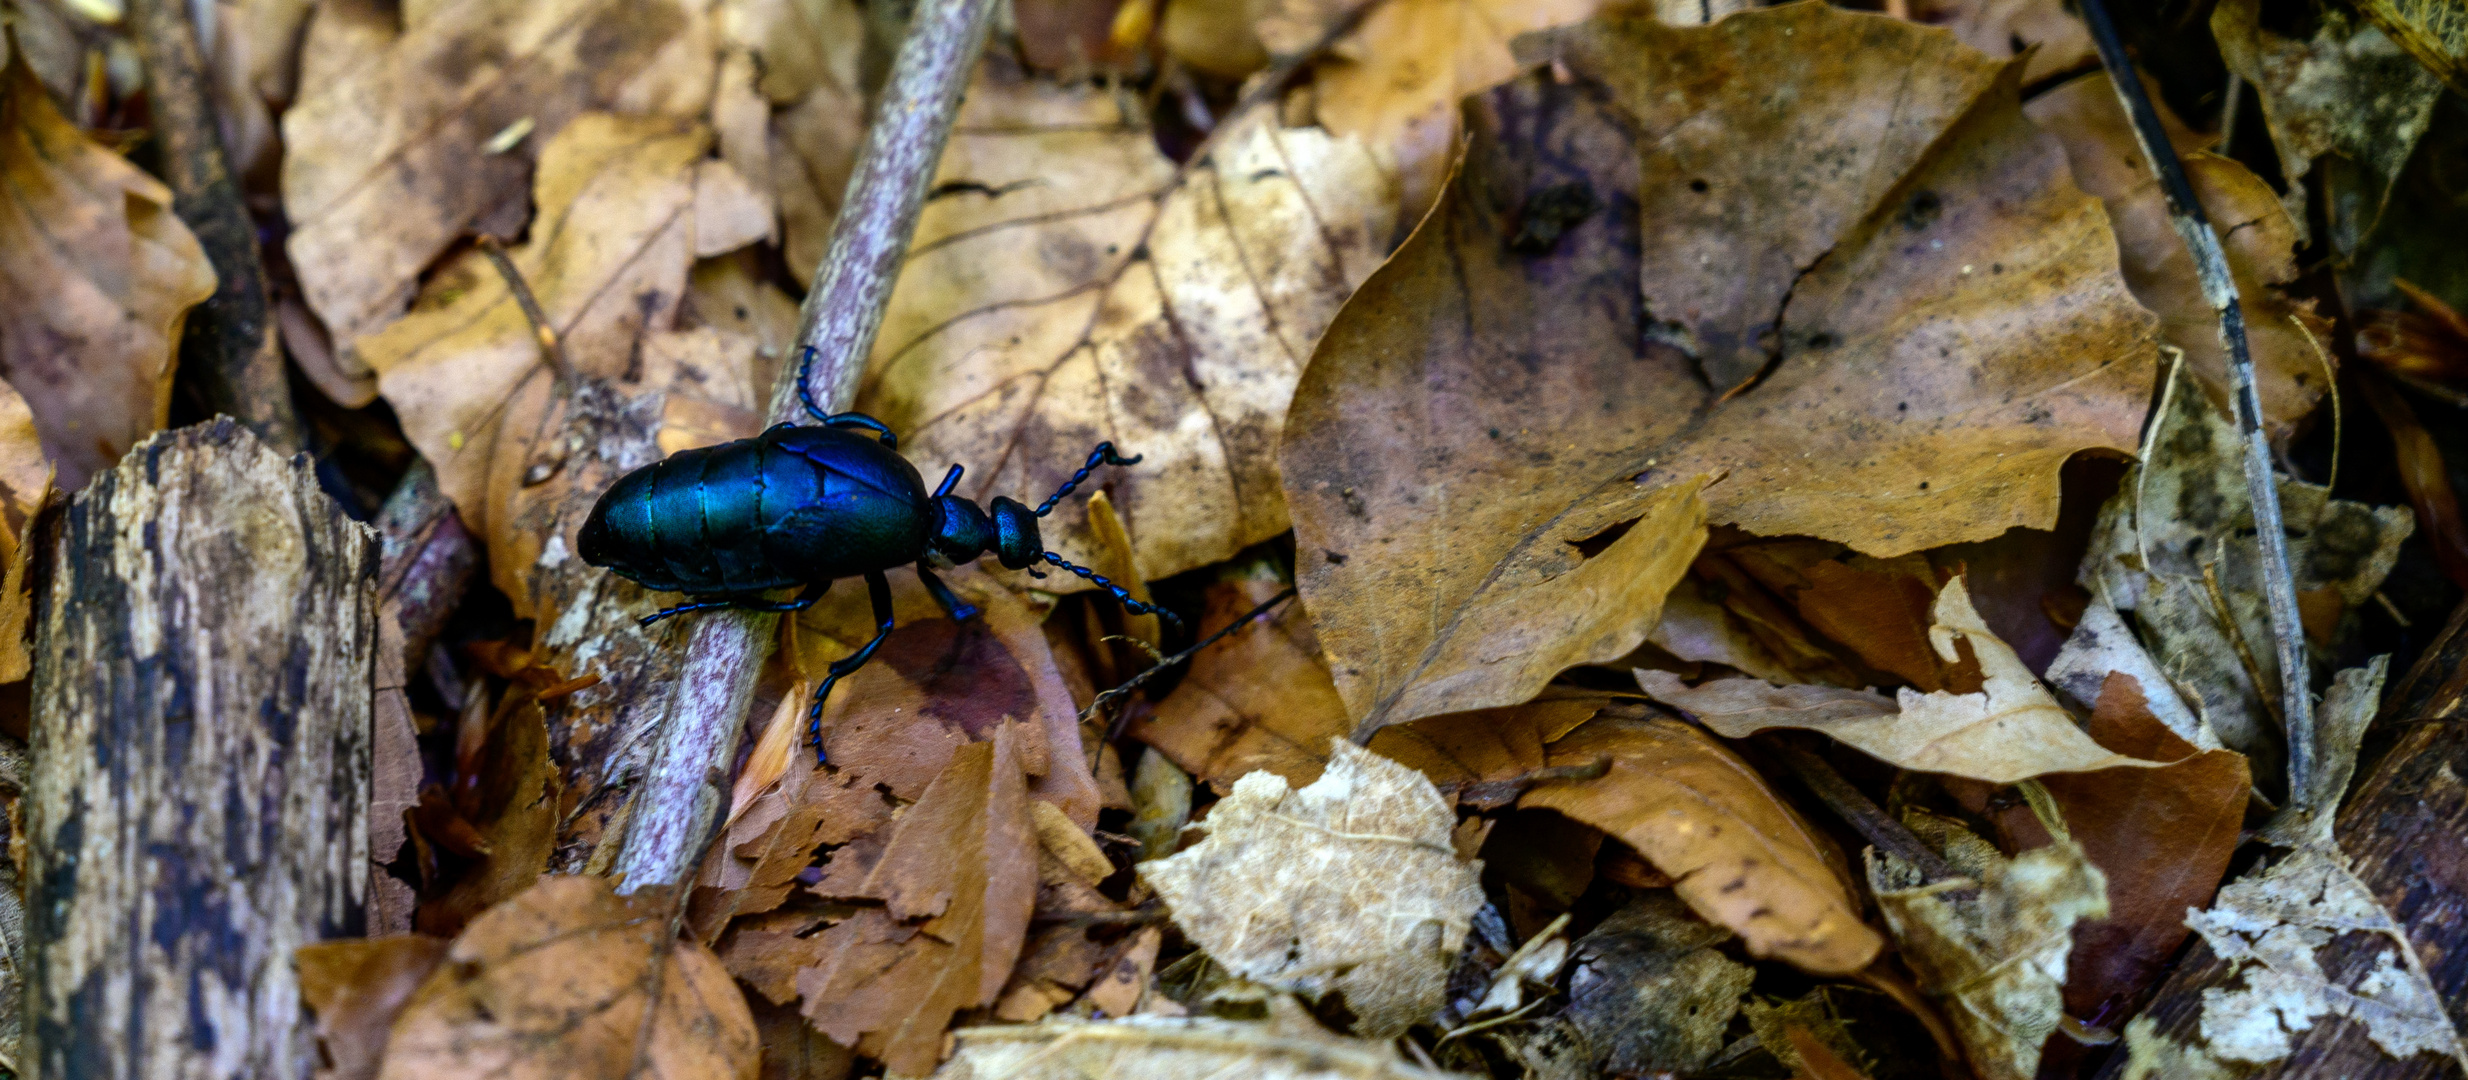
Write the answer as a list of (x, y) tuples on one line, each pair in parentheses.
[(805, 506)]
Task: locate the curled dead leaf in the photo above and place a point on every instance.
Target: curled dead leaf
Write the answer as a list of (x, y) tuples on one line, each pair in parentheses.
[(96, 280), (1916, 320), (2010, 730), (1740, 856), (1348, 886)]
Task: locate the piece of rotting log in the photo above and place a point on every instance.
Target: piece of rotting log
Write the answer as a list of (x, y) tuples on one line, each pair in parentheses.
[(198, 810), (2405, 830)]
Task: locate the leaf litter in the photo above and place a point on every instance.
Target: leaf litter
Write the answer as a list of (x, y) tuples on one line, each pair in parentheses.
[(1742, 363)]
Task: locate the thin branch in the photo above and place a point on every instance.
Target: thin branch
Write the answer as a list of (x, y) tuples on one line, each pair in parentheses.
[(229, 342), (1857, 810), (685, 788), (541, 329), (2219, 287)]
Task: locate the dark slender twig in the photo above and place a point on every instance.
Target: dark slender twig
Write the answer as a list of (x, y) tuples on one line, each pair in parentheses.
[(1857, 810), (1097, 706), (229, 341), (677, 810), (2219, 287), (541, 328)]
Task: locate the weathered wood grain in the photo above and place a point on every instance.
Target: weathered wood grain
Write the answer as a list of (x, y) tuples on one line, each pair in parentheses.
[(199, 801)]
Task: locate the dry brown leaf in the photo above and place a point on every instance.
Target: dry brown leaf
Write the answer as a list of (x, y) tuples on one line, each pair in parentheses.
[(1260, 699), (25, 485), (1740, 856), (2434, 32), (2347, 99), (2291, 371), (252, 58), (2004, 28), (356, 989), (1395, 78), (511, 800), (934, 687), (1288, 1047), (1484, 758), (1549, 364), (1877, 608), (626, 205), (96, 280), (2010, 730), (571, 980), (957, 879), (1346, 887), (388, 163), (1999, 950), (1071, 285)]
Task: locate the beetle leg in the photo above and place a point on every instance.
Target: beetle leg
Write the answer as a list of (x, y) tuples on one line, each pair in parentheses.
[(803, 601), (861, 420), (878, 588), (698, 605), (959, 610)]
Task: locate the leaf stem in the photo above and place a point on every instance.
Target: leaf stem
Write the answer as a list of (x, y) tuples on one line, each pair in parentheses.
[(2193, 226), (677, 809)]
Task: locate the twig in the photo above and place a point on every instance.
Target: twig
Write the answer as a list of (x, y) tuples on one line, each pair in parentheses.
[(2211, 268), (541, 329), (685, 787), (1098, 705), (230, 342), (1857, 810)]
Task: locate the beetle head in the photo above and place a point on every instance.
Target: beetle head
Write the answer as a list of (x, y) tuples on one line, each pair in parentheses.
[(962, 532)]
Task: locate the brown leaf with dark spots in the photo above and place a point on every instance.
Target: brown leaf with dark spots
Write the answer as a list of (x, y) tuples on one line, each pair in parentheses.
[(571, 980), (1742, 858), (1832, 274), (96, 280), (957, 881), (357, 988), (1260, 699)]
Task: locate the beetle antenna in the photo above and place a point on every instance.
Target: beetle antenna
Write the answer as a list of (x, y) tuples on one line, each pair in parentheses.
[(950, 480), (1122, 595), (1102, 455)]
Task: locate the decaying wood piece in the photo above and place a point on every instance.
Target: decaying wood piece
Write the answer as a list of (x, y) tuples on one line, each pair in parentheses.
[(204, 654), (2405, 829)]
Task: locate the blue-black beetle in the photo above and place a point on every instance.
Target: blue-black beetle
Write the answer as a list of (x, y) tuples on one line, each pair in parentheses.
[(806, 506)]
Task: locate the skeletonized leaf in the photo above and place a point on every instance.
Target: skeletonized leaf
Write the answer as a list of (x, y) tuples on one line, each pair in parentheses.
[(1738, 854), (96, 279), (388, 160), (2347, 98), (1071, 285), (2174, 547), (1999, 952), (562, 981), (2010, 730), (1348, 886), (1916, 319), (2270, 924)]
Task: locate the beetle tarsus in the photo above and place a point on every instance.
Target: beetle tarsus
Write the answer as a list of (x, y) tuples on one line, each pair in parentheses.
[(959, 610), (878, 589)]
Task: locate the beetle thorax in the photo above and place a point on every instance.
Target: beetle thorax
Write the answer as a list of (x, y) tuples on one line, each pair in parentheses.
[(962, 532)]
